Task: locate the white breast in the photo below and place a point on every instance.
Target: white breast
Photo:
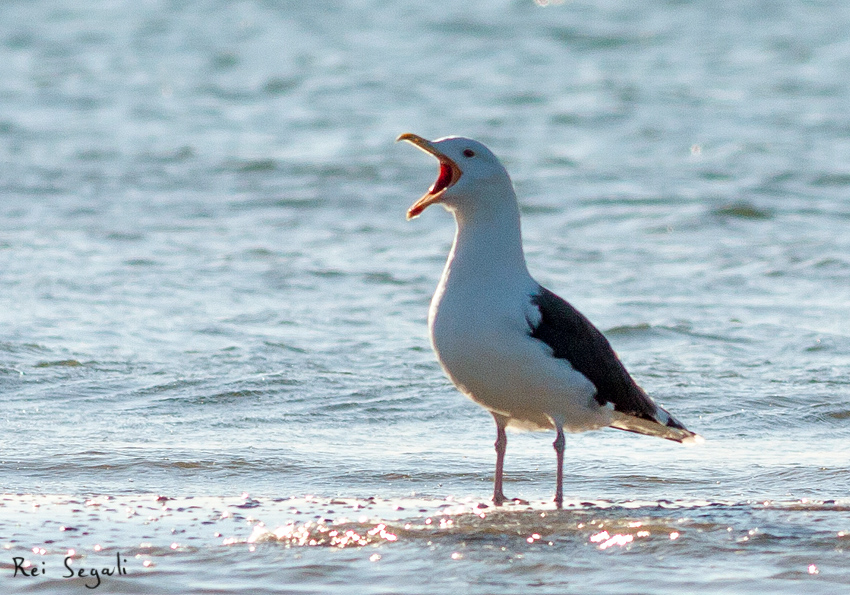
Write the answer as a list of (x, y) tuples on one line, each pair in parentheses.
[(480, 330)]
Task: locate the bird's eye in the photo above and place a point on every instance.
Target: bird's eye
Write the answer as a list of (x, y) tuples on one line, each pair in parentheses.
[(468, 153)]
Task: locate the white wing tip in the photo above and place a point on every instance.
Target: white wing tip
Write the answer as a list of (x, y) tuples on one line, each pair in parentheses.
[(693, 440)]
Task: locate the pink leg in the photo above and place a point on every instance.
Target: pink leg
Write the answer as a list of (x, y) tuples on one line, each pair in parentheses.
[(559, 451), (501, 444)]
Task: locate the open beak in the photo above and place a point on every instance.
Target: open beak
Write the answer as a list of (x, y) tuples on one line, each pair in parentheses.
[(449, 174)]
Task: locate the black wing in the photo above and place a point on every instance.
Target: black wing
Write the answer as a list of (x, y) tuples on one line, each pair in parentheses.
[(572, 337)]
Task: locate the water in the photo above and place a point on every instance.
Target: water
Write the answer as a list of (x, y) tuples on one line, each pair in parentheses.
[(213, 348)]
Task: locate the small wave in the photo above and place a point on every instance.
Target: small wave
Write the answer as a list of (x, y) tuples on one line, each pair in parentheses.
[(66, 363), (350, 522), (832, 179), (22, 348), (254, 166), (742, 210), (580, 38), (631, 330), (382, 278)]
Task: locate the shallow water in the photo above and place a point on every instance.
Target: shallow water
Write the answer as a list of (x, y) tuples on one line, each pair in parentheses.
[(210, 294), (310, 544)]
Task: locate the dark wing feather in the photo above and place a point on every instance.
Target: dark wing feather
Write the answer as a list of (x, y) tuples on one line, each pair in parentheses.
[(572, 337)]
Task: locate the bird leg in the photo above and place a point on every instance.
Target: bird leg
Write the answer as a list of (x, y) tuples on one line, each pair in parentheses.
[(501, 444), (559, 451)]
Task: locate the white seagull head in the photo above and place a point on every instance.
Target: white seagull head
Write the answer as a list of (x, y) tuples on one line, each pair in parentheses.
[(469, 175)]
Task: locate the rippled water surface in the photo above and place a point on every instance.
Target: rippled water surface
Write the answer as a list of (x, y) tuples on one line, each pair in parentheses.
[(214, 360)]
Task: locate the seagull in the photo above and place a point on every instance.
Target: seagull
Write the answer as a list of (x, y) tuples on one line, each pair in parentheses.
[(508, 343)]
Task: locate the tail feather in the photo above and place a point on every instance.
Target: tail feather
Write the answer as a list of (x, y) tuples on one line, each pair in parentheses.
[(669, 430)]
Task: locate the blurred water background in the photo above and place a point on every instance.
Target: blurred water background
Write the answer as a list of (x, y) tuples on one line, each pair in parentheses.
[(213, 350)]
